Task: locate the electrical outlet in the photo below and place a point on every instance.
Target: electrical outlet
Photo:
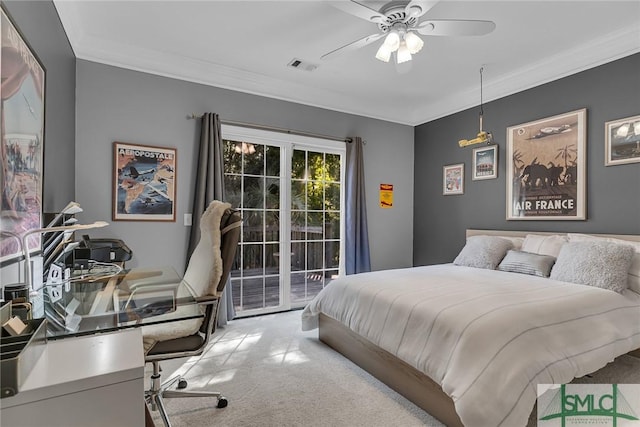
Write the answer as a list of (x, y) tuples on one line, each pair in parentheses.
[(55, 275), (55, 293)]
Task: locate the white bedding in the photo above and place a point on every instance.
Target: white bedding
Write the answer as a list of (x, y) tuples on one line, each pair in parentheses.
[(487, 337)]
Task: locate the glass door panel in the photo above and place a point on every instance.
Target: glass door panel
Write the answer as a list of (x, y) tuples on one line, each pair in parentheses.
[(252, 184), (315, 223)]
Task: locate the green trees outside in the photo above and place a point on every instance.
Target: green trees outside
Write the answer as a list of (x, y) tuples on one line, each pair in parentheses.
[(252, 184), (315, 183)]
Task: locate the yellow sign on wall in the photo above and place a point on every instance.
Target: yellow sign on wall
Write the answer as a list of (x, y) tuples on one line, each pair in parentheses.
[(386, 196)]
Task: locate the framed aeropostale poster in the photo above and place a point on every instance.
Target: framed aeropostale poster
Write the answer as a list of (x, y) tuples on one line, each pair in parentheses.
[(22, 95), (144, 179), (485, 163), (453, 179), (622, 141), (546, 161)]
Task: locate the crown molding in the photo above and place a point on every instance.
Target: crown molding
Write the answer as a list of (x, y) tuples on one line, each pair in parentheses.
[(616, 45), (199, 71), (167, 64)]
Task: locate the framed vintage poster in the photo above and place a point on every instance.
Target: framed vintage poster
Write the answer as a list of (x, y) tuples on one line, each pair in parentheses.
[(485, 163), (622, 141), (386, 196), (453, 179), (546, 161), (22, 95), (144, 179)]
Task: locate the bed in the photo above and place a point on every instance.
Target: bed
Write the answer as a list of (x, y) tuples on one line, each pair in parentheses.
[(469, 345)]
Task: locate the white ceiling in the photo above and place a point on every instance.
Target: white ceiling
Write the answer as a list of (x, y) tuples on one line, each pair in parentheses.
[(246, 46)]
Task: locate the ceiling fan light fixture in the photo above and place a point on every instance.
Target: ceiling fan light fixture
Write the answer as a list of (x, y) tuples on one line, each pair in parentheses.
[(400, 22), (413, 42), (403, 54), (384, 53), (392, 41)]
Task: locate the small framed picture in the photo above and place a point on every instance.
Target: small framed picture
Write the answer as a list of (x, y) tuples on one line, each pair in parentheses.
[(485, 163), (144, 182), (453, 179), (622, 141)]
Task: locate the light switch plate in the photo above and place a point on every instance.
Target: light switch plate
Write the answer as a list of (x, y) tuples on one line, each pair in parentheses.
[(187, 219)]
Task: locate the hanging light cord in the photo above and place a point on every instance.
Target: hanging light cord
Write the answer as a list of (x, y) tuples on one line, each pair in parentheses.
[(481, 109)]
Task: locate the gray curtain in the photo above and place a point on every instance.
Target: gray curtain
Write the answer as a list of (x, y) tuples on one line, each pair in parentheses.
[(357, 258), (209, 186)]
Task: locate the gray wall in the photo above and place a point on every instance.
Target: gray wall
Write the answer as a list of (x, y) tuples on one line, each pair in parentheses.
[(115, 104), (608, 92), (39, 23)]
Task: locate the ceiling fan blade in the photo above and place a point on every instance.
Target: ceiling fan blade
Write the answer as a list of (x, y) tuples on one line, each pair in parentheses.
[(361, 11), (352, 46), (417, 8), (450, 27)]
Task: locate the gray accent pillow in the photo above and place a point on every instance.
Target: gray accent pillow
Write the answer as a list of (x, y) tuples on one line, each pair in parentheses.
[(527, 263), (483, 252), (600, 264)]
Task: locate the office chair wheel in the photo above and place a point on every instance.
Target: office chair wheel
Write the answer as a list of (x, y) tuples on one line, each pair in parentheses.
[(222, 402), (182, 383)]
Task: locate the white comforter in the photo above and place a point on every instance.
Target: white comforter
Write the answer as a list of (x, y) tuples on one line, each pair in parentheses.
[(487, 337)]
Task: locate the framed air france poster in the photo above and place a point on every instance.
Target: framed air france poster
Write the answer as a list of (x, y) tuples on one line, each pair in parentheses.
[(546, 162)]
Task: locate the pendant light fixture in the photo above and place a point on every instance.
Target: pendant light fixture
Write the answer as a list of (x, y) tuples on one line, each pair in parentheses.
[(482, 137)]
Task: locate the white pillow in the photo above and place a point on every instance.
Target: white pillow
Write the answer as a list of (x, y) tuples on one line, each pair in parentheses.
[(544, 244), (483, 252), (633, 277), (596, 263)]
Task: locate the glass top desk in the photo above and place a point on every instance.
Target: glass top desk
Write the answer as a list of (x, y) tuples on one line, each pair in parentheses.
[(133, 298)]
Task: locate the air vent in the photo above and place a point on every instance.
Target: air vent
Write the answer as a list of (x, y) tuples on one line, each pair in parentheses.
[(301, 65)]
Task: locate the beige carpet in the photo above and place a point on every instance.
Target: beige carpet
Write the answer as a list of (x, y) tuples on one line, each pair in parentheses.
[(273, 374)]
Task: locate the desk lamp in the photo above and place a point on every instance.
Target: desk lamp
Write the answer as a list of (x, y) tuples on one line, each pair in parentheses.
[(25, 249)]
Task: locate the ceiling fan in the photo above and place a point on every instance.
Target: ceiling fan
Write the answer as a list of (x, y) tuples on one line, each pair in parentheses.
[(399, 22)]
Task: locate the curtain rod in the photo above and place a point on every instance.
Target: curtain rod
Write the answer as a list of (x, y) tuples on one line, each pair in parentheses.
[(275, 129)]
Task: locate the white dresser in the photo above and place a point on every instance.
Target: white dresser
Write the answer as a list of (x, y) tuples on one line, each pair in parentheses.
[(95, 380)]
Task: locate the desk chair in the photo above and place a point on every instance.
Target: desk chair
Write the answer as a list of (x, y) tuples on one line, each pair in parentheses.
[(199, 268)]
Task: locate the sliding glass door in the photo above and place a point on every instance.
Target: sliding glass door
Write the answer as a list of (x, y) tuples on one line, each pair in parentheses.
[(315, 222), (289, 191)]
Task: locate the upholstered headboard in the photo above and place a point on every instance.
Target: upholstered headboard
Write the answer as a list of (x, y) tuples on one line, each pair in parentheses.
[(511, 233)]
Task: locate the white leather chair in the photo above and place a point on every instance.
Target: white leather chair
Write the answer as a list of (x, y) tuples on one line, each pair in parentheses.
[(200, 274)]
